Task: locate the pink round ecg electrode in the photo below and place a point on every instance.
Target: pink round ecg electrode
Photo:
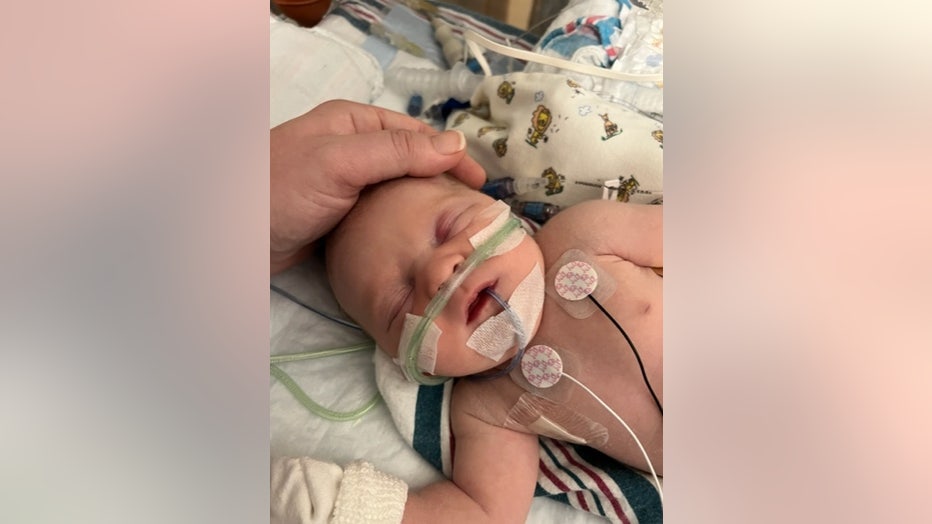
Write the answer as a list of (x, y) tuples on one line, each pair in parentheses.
[(541, 366), (576, 280)]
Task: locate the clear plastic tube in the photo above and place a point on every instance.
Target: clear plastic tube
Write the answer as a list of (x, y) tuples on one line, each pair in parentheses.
[(458, 83)]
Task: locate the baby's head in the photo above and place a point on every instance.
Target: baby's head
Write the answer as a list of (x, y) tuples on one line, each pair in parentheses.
[(401, 242)]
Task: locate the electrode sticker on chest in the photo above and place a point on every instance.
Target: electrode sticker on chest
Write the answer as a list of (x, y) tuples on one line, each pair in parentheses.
[(574, 277), (575, 280), (541, 366)]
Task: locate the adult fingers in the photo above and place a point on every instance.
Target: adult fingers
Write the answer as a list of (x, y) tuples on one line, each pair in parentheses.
[(469, 172), (342, 117), (362, 159)]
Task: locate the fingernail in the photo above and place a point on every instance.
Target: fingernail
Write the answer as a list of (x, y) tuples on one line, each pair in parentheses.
[(449, 142)]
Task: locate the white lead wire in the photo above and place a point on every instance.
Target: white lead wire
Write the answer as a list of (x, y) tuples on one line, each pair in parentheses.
[(625, 424)]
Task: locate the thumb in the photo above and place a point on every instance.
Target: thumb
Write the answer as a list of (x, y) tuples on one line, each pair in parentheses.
[(367, 158)]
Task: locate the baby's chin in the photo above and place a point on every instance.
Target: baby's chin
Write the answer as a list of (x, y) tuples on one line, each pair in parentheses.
[(471, 363), (462, 361)]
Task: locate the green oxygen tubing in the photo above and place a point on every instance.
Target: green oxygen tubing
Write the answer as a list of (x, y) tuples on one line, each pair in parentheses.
[(301, 396)]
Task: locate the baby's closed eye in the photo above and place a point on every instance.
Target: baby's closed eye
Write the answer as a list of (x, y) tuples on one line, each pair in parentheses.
[(444, 227)]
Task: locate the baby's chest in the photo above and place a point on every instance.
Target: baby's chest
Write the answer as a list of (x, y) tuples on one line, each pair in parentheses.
[(590, 335), (579, 335), (587, 298)]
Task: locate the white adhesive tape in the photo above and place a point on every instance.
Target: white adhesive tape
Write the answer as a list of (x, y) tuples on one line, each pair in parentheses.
[(498, 212), (493, 337), (427, 356), (496, 335)]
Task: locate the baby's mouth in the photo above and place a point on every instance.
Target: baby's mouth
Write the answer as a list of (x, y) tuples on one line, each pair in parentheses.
[(479, 303)]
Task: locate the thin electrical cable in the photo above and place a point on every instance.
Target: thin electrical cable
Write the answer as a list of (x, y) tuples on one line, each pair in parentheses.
[(317, 409), (295, 299), (634, 349), (650, 464)]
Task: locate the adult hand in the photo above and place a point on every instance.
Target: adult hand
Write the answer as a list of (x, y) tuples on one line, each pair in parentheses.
[(321, 160)]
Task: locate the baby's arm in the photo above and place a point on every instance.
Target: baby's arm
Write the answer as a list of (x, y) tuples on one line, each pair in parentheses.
[(633, 232), (494, 474)]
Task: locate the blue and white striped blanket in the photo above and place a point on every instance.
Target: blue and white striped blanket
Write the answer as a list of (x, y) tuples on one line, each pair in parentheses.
[(576, 475)]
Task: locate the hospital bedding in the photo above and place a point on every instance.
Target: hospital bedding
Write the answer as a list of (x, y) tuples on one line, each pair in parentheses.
[(342, 58)]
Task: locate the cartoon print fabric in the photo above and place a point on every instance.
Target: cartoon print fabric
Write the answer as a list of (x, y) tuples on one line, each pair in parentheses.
[(546, 125)]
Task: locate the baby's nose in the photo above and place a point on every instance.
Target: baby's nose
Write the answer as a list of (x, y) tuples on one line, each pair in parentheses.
[(439, 271)]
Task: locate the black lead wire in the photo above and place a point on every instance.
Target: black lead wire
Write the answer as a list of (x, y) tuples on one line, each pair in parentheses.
[(634, 349)]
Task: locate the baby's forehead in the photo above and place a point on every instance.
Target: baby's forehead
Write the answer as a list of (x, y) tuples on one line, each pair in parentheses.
[(407, 191), (438, 184)]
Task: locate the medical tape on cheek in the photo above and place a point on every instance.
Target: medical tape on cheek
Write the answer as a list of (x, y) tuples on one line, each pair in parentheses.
[(424, 328), (426, 358), (498, 334)]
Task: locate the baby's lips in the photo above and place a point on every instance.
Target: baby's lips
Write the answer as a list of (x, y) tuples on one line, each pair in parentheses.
[(475, 307)]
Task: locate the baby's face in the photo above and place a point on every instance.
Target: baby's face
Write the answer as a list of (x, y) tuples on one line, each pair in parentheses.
[(392, 254)]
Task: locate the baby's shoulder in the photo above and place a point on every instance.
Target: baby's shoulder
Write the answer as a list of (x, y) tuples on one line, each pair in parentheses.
[(596, 227), (580, 226), (488, 400)]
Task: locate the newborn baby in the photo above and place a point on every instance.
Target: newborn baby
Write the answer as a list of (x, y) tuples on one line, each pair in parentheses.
[(527, 322)]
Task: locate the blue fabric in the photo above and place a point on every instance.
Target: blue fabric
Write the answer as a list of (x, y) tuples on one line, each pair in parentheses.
[(580, 33), (427, 424)]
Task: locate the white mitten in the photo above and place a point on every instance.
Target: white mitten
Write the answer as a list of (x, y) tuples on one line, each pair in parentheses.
[(369, 496), (308, 491)]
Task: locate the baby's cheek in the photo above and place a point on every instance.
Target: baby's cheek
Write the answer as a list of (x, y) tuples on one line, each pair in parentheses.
[(389, 341), (456, 358), (452, 356)]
